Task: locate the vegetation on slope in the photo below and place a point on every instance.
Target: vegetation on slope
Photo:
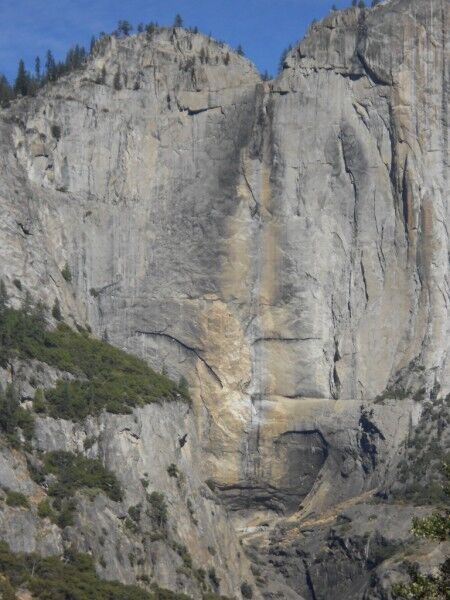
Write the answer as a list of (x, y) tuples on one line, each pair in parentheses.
[(73, 577), (109, 379), (72, 473), (75, 471), (106, 378), (28, 83), (421, 479), (435, 527), (12, 416)]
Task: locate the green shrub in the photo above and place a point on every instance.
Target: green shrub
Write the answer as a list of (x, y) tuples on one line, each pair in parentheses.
[(200, 575), (131, 525), (75, 471), (66, 516), (89, 442), (158, 509), (25, 421), (56, 310), (39, 403), (13, 416), (56, 132), (172, 470), (66, 273), (135, 512), (436, 527), (6, 590), (184, 554), (191, 510), (16, 499), (246, 590), (213, 577), (183, 386), (45, 510), (423, 587)]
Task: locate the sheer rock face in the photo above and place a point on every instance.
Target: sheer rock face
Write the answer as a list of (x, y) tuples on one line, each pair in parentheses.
[(282, 245), (138, 448), (367, 166)]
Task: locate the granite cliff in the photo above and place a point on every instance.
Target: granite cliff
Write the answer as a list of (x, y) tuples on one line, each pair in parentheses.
[(283, 246)]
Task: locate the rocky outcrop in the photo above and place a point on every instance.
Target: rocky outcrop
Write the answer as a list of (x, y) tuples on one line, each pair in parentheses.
[(282, 245), (362, 546)]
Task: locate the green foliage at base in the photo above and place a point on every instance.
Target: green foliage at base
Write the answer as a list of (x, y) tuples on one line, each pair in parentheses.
[(7, 591), (54, 579), (425, 588), (435, 527), (72, 577), (420, 475), (111, 379)]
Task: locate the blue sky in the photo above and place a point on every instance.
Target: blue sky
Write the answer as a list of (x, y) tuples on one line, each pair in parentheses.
[(263, 27)]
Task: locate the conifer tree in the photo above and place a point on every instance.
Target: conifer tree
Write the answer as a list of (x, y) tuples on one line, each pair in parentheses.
[(6, 92), (22, 83), (283, 57), (3, 296), (56, 310), (178, 22), (124, 28), (117, 80), (151, 28), (50, 67), (37, 69)]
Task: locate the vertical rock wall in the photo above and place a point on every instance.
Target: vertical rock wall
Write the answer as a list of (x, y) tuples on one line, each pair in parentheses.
[(282, 245)]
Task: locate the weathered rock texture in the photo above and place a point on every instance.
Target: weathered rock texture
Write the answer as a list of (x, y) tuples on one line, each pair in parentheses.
[(282, 245)]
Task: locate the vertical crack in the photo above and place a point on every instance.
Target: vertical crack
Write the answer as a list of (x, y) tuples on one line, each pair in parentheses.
[(309, 581)]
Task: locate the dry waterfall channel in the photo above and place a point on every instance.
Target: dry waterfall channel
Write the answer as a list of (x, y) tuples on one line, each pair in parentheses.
[(224, 316)]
